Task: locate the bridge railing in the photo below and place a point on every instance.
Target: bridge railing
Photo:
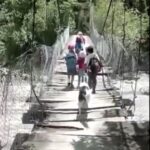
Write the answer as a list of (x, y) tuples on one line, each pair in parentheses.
[(45, 60), (123, 65), (16, 89)]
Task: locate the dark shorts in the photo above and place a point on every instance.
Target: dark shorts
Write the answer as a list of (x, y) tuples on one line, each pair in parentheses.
[(81, 72), (71, 71)]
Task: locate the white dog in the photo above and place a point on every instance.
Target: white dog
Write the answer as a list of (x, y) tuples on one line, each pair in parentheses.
[(84, 96)]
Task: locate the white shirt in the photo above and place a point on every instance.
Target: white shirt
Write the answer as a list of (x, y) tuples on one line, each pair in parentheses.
[(89, 56)]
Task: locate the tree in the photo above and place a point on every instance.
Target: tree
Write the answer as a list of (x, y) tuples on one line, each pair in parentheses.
[(16, 24)]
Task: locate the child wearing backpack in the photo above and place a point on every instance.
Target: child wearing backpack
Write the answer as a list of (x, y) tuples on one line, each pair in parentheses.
[(81, 67), (80, 41), (71, 61), (93, 66), (78, 45)]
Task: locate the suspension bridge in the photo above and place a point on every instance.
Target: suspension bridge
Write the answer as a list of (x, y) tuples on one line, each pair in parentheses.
[(48, 115)]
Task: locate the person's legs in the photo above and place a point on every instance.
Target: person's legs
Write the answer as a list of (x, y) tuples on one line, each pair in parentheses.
[(79, 79), (68, 72), (71, 73), (82, 78), (72, 79), (82, 75), (94, 83), (89, 80), (69, 80), (86, 77)]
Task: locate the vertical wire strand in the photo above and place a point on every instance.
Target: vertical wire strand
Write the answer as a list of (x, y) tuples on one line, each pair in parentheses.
[(107, 15)]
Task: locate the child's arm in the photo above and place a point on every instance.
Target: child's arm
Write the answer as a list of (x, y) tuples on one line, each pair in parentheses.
[(85, 67), (83, 40)]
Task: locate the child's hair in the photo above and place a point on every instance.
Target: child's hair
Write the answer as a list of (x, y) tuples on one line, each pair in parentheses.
[(90, 49), (82, 54), (71, 48), (80, 33), (78, 40)]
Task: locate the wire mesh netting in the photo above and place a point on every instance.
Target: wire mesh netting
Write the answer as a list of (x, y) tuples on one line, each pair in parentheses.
[(14, 91), (111, 49), (17, 84), (120, 66)]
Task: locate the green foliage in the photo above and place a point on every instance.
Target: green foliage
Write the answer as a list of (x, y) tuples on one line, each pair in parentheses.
[(52, 16), (16, 24), (131, 25), (132, 21)]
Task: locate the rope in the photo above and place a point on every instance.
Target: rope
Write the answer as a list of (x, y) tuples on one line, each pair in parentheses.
[(32, 45), (122, 68), (136, 77), (59, 16), (113, 18), (46, 2), (106, 16), (124, 25), (111, 45), (139, 56), (33, 23)]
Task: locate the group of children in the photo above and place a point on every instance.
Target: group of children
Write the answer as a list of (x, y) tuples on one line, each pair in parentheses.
[(80, 61)]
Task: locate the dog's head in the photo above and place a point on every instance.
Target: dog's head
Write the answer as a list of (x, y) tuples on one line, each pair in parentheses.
[(84, 85), (84, 89)]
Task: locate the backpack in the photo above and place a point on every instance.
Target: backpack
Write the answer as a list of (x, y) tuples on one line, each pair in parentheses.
[(78, 40), (70, 60), (78, 48), (95, 65)]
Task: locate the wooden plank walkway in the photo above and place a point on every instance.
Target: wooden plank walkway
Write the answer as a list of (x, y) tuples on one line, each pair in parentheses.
[(101, 127)]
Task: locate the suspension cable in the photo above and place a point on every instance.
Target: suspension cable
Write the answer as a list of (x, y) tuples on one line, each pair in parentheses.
[(138, 60), (59, 16), (123, 66), (111, 47), (139, 52), (123, 41), (45, 20), (106, 16), (32, 45), (113, 18), (33, 22), (124, 25)]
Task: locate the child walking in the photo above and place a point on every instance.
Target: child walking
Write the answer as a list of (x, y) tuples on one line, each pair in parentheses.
[(71, 61), (81, 67), (80, 42)]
